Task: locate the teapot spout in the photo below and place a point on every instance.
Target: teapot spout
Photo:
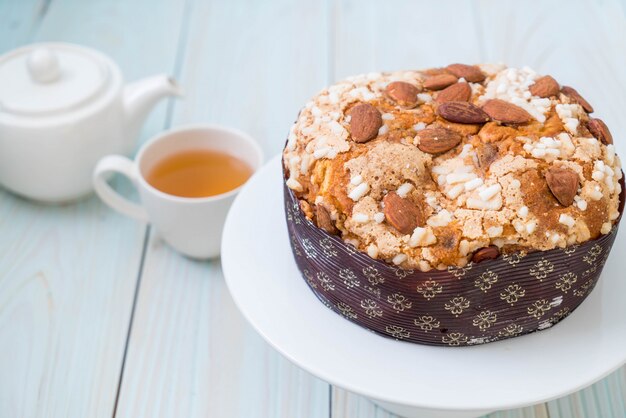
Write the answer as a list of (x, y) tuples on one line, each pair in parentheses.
[(140, 97)]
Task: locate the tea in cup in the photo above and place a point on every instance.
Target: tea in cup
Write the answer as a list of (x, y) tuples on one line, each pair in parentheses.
[(187, 179)]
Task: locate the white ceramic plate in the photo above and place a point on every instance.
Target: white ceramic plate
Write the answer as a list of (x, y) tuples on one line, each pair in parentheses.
[(266, 286)]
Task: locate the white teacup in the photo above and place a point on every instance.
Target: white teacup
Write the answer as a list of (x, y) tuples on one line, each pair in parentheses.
[(192, 226)]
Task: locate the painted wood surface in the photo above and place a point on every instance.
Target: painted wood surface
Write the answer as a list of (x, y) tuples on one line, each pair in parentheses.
[(68, 274), (99, 318)]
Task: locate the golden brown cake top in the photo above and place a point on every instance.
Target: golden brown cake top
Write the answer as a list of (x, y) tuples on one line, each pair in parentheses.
[(430, 169)]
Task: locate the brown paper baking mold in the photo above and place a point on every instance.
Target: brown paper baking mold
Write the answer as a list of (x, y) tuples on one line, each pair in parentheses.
[(513, 295)]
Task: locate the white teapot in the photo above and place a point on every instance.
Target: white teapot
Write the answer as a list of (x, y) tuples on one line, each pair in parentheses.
[(62, 108)]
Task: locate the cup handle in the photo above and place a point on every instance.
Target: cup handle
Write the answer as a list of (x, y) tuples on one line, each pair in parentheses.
[(122, 165)]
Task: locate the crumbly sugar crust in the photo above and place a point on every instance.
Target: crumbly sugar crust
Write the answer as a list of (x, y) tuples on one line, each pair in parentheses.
[(493, 188)]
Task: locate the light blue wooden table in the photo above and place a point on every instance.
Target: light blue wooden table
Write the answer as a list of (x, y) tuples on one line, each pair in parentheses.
[(99, 319)]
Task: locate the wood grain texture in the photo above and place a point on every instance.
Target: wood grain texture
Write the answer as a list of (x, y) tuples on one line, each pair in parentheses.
[(190, 352), (253, 65), (545, 39), (605, 398), (64, 306), (19, 20), (68, 273), (349, 405), (400, 34)]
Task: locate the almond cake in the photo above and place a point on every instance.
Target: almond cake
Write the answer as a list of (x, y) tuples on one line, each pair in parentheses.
[(436, 168)]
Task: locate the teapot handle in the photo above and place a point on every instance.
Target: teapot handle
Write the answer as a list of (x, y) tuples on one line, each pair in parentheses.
[(122, 165)]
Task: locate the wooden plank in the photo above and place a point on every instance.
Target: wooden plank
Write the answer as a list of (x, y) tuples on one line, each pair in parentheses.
[(68, 273), (615, 390), (537, 411), (66, 284), (602, 399), (401, 34), (191, 353), (19, 20), (349, 405), (547, 38), (253, 66)]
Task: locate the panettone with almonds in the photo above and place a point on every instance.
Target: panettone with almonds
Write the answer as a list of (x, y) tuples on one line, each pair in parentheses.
[(432, 169)]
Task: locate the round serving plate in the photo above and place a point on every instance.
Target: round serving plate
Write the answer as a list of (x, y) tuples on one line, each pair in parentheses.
[(410, 379)]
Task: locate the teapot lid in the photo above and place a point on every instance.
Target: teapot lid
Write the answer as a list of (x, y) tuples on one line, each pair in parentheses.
[(51, 78)]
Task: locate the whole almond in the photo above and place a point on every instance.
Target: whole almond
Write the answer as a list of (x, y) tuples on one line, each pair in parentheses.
[(457, 92), (324, 221), (401, 213), (577, 98), (485, 253), (365, 121), (545, 86), (462, 112), (438, 82), (599, 129), (468, 72), (438, 140), (563, 183), (506, 112), (404, 94)]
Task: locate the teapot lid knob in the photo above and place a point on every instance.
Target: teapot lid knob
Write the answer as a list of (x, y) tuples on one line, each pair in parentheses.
[(43, 65)]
